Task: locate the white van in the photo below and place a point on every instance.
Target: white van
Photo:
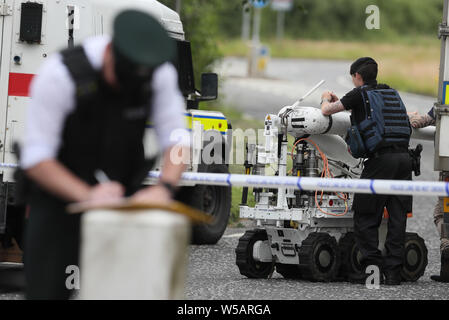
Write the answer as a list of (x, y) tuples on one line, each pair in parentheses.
[(30, 31)]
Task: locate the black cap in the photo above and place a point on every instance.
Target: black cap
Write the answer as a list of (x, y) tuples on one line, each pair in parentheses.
[(142, 40), (362, 63), (367, 67)]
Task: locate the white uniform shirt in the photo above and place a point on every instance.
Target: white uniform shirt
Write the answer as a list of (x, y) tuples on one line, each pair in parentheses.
[(53, 99)]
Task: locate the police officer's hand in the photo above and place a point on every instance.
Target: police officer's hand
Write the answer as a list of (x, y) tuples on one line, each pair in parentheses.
[(334, 97), (414, 119), (326, 95), (106, 191), (329, 95), (153, 195)]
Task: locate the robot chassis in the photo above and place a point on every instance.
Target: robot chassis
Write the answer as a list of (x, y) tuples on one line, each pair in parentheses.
[(302, 234)]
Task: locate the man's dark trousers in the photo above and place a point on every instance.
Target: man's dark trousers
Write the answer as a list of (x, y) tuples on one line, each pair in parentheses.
[(51, 245), (369, 209)]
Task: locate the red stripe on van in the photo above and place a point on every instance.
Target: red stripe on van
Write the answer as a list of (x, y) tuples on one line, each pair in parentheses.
[(19, 84)]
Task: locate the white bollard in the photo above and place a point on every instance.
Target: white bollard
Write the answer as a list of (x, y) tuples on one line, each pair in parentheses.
[(139, 255)]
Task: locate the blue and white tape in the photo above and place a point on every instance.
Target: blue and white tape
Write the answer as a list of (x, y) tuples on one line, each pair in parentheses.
[(9, 165), (396, 187)]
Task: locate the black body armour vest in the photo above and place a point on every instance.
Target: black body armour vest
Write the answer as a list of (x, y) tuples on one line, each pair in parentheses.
[(106, 129)]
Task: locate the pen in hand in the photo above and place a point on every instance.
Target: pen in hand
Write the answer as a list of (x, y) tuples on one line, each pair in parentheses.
[(101, 176), (110, 190)]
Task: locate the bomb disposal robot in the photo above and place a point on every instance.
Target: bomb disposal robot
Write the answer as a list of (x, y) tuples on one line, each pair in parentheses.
[(303, 234)]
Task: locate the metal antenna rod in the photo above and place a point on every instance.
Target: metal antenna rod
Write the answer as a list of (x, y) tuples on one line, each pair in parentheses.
[(309, 93)]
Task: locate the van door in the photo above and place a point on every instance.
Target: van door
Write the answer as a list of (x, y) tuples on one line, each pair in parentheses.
[(6, 11), (24, 37), (39, 29)]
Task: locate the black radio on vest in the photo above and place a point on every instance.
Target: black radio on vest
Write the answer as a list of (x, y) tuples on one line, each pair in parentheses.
[(386, 123)]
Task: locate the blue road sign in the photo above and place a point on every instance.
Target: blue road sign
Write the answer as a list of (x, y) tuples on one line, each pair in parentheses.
[(260, 3), (264, 51)]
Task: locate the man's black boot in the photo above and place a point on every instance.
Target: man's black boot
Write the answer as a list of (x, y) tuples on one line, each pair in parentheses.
[(444, 273), (392, 277), (359, 278)]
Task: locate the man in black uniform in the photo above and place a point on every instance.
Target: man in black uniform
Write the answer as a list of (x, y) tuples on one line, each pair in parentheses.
[(88, 114), (388, 159)]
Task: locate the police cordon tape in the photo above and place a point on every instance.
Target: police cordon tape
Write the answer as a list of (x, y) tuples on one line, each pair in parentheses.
[(8, 165), (388, 187)]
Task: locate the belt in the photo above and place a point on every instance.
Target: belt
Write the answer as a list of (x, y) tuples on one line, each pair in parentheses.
[(386, 150)]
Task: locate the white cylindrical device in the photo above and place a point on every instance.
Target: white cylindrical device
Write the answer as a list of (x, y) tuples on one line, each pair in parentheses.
[(427, 133), (310, 121)]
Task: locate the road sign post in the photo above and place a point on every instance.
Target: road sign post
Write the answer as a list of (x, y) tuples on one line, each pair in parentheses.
[(178, 6), (246, 22), (255, 46), (281, 6)]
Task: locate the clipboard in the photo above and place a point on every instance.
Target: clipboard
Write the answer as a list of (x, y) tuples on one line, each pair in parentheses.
[(196, 216)]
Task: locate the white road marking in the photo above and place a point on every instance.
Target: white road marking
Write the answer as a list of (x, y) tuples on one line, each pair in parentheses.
[(288, 89)]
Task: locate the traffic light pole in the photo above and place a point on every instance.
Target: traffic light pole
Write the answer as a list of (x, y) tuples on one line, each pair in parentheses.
[(178, 6), (280, 24)]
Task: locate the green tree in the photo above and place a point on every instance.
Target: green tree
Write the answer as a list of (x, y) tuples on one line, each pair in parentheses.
[(328, 19), (203, 21)]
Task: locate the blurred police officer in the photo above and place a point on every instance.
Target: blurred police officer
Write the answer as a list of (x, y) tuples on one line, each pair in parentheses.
[(421, 121), (387, 158), (88, 113)]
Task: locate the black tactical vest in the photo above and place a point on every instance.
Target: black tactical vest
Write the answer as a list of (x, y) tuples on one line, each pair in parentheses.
[(386, 121), (106, 129)]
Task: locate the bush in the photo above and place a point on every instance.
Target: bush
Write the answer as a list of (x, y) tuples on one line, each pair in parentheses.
[(345, 19), (328, 19)]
